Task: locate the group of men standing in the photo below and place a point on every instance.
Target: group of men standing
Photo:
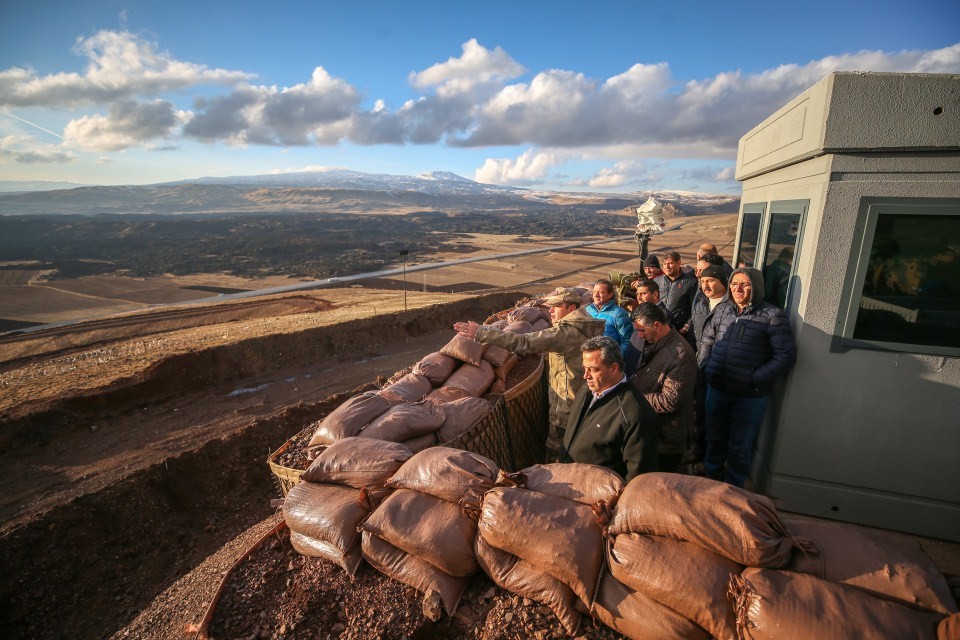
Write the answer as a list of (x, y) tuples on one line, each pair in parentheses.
[(675, 376)]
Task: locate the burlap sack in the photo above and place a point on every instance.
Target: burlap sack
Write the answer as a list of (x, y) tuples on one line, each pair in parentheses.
[(738, 524), (420, 443), (429, 528), (680, 575), (504, 370), (499, 324), (447, 394), (412, 571), (519, 327), (496, 356), (460, 416), (411, 387), (445, 473), (464, 349), (436, 367), (498, 387), (874, 561), (349, 561), (540, 324), (405, 421), (358, 463), (522, 578), (525, 314), (475, 380), (641, 618), (327, 513), (782, 604), (557, 536), (586, 483), (351, 416)]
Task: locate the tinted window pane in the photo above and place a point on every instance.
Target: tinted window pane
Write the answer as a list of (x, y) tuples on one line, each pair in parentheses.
[(778, 260), (749, 238), (911, 290)]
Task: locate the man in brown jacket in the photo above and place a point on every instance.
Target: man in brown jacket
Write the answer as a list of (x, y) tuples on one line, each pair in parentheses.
[(561, 342), (666, 376)]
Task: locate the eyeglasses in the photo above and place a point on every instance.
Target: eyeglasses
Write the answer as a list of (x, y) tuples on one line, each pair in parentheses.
[(741, 285)]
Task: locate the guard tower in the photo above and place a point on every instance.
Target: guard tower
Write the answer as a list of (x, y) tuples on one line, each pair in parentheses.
[(851, 208)]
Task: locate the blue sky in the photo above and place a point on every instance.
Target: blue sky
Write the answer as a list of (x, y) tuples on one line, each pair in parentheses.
[(575, 96)]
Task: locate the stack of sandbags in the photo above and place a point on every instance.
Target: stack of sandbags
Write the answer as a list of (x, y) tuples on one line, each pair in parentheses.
[(424, 533), (540, 534), (538, 317), (772, 604), (339, 489), (876, 562), (674, 542), (353, 415), (413, 423)]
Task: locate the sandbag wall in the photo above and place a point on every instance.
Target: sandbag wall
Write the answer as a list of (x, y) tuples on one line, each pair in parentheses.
[(667, 556)]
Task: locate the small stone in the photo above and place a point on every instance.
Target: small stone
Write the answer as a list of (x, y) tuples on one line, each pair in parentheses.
[(509, 616), (337, 628)]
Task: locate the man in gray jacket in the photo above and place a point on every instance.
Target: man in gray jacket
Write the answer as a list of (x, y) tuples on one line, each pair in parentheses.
[(571, 327)]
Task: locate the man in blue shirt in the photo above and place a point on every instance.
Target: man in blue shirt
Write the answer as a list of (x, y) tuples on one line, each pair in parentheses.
[(605, 307)]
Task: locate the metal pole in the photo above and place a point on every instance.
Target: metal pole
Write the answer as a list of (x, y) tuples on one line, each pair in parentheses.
[(404, 254)]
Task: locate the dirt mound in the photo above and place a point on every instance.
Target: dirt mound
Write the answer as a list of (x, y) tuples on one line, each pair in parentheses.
[(121, 482)]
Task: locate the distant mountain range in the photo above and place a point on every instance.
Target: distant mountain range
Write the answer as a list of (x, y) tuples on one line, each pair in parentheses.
[(335, 191)]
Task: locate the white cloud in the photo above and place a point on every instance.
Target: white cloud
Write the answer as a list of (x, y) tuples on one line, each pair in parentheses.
[(526, 169), (127, 124), (26, 150), (120, 65), (477, 66)]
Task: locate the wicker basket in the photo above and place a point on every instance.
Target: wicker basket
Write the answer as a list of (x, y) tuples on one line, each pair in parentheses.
[(286, 477)]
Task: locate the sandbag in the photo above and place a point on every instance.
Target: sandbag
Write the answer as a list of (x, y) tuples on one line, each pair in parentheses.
[(412, 387), (475, 380), (525, 314), (738, 524), (447, 394), (540, 324), (460, 416), (586, 483), (639, 617), (498, 324), (557, 536), (417, 573), (496, 356), (351, 416), (680, 575), (874, 561), (405, 421), (429, 528), (357, 462), (436, 367), (445, 473), (522, 578), (418, 444), (349, 560), (464, 349), (781, 604), (327, 513), (519, 327), (504, 370)]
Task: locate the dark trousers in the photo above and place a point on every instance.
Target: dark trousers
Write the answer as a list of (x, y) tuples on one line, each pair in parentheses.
[(732, 425)]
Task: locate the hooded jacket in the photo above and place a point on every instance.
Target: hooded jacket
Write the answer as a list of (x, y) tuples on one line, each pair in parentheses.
[(561, 343), (743, 351), (619, 327)]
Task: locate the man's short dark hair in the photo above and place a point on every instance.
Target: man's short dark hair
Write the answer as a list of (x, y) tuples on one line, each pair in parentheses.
[(647, 313), (609, 350), (651, 285), (673, 255), (609, 285), (712, 258)]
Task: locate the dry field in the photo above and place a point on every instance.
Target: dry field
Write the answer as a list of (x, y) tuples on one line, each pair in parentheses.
[(26, 300)]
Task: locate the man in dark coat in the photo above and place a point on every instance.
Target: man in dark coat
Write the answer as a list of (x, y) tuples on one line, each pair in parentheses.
[(611, 424), (677, 289), (746, 345)]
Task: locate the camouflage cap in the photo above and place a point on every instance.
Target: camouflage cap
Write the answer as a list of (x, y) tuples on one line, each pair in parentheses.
[(562, 296)]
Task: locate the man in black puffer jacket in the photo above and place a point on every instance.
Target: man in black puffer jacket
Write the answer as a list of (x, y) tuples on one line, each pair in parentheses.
[(746, 345)]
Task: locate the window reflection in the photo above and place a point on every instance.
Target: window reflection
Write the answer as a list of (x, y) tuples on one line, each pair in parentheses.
[(911, 289), (749, 239), (778, 256)]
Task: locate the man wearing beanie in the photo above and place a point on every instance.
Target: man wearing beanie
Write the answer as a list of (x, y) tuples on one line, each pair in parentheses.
[(651, 267)]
